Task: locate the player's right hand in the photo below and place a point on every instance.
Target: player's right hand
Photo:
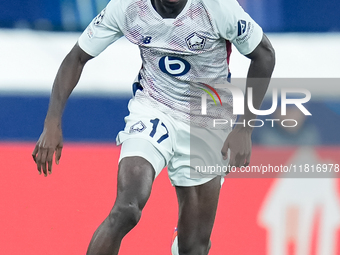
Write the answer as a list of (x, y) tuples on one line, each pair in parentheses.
[(239, 144), (50, 141)]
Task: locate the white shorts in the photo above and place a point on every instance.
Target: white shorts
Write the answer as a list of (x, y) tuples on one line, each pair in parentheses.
[(164, 141)]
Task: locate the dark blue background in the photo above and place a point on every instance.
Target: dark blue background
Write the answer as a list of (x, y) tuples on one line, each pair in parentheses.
[(99, 119), (272, 15), (85, 118)]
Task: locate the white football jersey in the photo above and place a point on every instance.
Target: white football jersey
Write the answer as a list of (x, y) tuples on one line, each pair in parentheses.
[(180, 56)]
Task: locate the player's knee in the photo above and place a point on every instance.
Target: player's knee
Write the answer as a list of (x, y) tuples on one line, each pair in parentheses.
[(125, 216), (136, 168), (197, 247)]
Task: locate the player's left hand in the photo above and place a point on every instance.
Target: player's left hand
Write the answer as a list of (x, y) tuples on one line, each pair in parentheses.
[(239, 144), (50, 142)]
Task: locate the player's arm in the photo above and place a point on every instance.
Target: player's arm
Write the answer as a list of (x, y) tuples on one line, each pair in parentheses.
[(259, 74), (67, 78), (100, 33), (258, 78), (235, 25), (51, 139)]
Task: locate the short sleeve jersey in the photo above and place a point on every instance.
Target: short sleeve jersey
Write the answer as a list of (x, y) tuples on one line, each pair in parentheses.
[(181, 55)]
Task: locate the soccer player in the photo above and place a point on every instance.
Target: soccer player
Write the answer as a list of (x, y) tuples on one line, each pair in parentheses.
[(184, 46)]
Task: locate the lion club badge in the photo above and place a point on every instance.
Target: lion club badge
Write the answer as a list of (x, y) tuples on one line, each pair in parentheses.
[(195, 41)]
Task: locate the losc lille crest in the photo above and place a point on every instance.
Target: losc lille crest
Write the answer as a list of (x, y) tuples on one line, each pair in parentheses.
[(195, 41), (137, 127)]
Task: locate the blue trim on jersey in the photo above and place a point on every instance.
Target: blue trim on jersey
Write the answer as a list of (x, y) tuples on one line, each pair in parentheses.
[(136, 86), (229, 77)]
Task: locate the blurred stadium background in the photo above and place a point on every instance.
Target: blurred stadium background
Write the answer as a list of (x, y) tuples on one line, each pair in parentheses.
[(58, 214)]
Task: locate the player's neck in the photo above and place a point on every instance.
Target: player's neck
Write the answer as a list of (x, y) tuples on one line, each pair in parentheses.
[(168, 9)]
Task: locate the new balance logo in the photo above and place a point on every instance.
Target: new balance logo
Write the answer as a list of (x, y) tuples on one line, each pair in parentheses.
[(146, 39)]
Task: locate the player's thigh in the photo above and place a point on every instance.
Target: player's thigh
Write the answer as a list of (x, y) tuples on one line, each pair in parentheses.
[(135, 179), (147, 134), (197, 210), (197, 157)]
